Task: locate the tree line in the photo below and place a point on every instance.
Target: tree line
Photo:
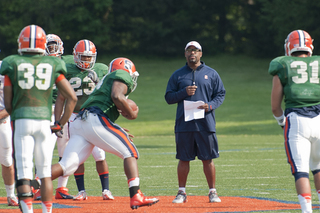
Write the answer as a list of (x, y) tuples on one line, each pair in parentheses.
[(163, 27)]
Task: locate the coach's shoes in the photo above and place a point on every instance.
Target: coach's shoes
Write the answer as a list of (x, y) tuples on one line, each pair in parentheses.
[(12, 201), (213, 197), (62, 193), (180, 198), (139, 200), (82, 195), (106, 195)]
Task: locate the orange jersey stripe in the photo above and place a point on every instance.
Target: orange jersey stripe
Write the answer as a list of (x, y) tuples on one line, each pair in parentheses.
[(286, 132), (60, 77), (7, 81)]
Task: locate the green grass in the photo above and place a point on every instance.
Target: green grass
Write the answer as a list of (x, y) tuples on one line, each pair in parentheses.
[(252, 160)]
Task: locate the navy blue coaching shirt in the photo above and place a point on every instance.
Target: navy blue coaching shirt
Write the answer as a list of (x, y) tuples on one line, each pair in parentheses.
[(210, 89)]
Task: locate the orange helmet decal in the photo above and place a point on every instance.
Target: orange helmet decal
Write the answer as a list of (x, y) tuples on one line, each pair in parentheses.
[(298, 40), (32, 38)]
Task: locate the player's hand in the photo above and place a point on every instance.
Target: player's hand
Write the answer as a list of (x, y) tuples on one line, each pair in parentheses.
[(59, 134), (93, 76), (130, 135), (56, 127), (191, 90)]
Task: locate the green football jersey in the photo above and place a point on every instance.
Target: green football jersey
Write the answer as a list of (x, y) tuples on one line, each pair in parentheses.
[(101, 96), (32, 78), (300, 79), (81, 83), (68, 59)]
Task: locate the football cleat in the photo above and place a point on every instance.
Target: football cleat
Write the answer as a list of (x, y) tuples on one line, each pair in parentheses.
[(36, 194), (82, 195), (12, 201), (139, 200), (62, 193), (106, 195), (180, 198), (213, 197)]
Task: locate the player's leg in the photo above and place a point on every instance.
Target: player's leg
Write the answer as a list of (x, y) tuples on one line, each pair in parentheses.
[(103, 170), (113, 139), (79, 178), (297, 148), (43, 152), (207, 150), (23, 146), (7, 161), (315, 157), (62, 190)]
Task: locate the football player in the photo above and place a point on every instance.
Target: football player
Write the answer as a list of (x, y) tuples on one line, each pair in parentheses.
[(29, 79), (6, 150), (83, 76), (296, 80), (94, 126)]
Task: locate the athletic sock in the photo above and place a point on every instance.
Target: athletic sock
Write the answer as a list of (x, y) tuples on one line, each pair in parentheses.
[(62, 181), (134, 186), (10, 190), (182, 189), (26, 205), (46, 206), (305, 202), (212, 190), (318, 193), (79, 177), (104, 178)]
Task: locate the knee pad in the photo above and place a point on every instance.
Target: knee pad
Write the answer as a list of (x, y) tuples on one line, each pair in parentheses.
[(28, 194), (315, 171), (299, 175), (7, 161), (23, 182)]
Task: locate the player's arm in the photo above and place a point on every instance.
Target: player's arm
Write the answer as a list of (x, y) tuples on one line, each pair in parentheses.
[(7, 93), (3, 114), (68, 93), (119, 90), (58, 107), (276, 100)]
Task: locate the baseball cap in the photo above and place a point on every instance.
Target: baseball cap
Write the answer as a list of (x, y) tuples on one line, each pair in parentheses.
[(193, 43)]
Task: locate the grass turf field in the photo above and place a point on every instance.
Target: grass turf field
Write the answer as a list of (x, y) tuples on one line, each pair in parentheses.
[(252, 160)]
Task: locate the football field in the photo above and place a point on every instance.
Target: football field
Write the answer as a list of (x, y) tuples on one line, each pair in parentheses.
[(252, 169)]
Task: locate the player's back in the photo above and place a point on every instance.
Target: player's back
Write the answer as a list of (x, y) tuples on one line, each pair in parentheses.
[(300, 79), (32, 78)]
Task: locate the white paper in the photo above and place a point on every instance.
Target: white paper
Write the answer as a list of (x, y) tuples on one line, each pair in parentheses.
[(191, 110)]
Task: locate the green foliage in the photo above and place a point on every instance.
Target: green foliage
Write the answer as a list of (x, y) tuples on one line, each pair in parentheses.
[(162, 28)]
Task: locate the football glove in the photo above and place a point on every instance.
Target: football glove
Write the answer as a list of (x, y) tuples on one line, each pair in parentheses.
[(57, 127), (93, 76)]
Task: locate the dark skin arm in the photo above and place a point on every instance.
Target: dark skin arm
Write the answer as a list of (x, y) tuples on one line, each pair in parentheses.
[(68, 93), (191, 90), (7, 90), (119, 90)]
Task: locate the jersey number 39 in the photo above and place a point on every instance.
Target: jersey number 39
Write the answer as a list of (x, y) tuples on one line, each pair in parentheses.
[(43, 72)]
